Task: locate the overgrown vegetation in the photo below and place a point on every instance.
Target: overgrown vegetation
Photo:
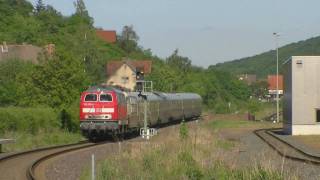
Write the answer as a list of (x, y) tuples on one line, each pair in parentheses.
[(79, 60), (172, 157), (36, 127), (26, 140)]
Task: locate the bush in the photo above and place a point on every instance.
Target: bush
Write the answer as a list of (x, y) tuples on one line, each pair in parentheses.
[(183, 132), (192, 171), (29, 120)]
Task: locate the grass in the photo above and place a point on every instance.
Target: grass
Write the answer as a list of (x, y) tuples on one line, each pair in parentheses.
[(222, 124), (31, 120), (169, 156), (27, 141), (36, 127), (225, 144)]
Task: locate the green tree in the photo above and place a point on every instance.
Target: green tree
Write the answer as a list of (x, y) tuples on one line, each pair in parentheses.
[(259, 89), (128, 40), (80, 8), (82, 12), (179, 62), (254, 106), (56, 83), (39, 6)]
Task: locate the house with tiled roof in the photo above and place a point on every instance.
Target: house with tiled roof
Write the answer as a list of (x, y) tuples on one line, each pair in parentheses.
[(272, 81), (108, 36), (122, 73)]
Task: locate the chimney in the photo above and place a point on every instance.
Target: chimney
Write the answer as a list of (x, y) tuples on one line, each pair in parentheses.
[(4, 47), (50, 49)]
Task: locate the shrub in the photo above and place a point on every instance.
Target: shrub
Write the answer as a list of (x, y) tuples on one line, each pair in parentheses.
[(183, 131), (29, 120)]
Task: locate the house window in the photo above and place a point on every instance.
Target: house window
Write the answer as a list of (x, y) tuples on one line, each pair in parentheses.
[(124, 79), (318, 115)]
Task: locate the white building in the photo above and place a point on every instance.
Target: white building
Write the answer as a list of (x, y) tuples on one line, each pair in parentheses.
[(301, 108)]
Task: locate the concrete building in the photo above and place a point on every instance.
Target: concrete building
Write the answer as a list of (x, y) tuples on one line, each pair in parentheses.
[(301, 109), (123, 73)]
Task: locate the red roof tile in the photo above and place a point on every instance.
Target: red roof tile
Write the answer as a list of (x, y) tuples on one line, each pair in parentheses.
[(108, 36), (272, 81)]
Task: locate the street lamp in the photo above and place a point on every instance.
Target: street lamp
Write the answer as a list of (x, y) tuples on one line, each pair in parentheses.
[(276, 36)]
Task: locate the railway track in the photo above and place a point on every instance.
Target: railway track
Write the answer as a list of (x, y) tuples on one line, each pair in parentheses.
[(23, 165), (285, 149)]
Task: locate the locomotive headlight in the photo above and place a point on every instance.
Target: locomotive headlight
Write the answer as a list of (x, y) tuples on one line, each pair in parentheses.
[(107, 116), (86, 116)]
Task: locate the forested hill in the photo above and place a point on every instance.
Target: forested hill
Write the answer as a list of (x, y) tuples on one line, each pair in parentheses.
[(265, 63), (80, 58)]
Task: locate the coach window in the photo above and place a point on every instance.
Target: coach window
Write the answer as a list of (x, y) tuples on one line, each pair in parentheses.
[(105, 97), (90, 97)]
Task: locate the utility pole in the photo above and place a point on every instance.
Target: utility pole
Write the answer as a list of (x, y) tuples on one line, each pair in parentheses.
[(276, 35)]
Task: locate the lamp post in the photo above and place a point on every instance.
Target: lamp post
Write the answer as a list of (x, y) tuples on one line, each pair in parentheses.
[(276, 36)]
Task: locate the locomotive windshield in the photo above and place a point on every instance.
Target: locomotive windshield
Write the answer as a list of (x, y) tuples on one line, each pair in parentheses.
[(90, 97), (106, 97)]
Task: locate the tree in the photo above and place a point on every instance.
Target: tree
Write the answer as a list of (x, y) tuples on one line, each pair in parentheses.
[(128, 39), (40, 6), (179, 62), (81, 8), (56, 82), (82, 14), (259, 89)]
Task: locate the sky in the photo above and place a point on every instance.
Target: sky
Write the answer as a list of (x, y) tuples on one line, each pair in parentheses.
[(206, 31)]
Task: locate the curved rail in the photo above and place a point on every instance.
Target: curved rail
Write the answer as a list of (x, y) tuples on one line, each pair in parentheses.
[(296, 153), (40, 149), (31, 173), (41, 153)]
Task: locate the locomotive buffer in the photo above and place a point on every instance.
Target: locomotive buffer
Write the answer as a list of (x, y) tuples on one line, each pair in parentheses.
[(142, 86)]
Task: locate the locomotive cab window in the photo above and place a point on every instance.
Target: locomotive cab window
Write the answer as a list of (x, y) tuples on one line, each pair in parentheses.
[(105, 97), (90, 97)]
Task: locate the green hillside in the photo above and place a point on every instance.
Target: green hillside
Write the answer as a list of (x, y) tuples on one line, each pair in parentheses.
[(265, 63), (80, 58)]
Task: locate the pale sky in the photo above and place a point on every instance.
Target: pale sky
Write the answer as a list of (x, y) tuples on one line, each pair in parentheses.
[(207, 31)]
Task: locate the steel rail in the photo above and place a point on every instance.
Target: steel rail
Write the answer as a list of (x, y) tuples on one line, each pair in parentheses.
[(14, 155), (66, 147), (31, 172), (306, 157)]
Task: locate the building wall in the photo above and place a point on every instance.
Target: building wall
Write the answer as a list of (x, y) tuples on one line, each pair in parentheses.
[(305, 94), (21, 52), (287, 98), (125, 77)]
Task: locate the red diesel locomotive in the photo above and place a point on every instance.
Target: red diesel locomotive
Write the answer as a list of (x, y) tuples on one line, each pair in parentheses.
[(110, 111)]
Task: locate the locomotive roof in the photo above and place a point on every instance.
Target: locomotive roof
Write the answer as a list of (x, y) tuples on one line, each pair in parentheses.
[(103, 88)]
